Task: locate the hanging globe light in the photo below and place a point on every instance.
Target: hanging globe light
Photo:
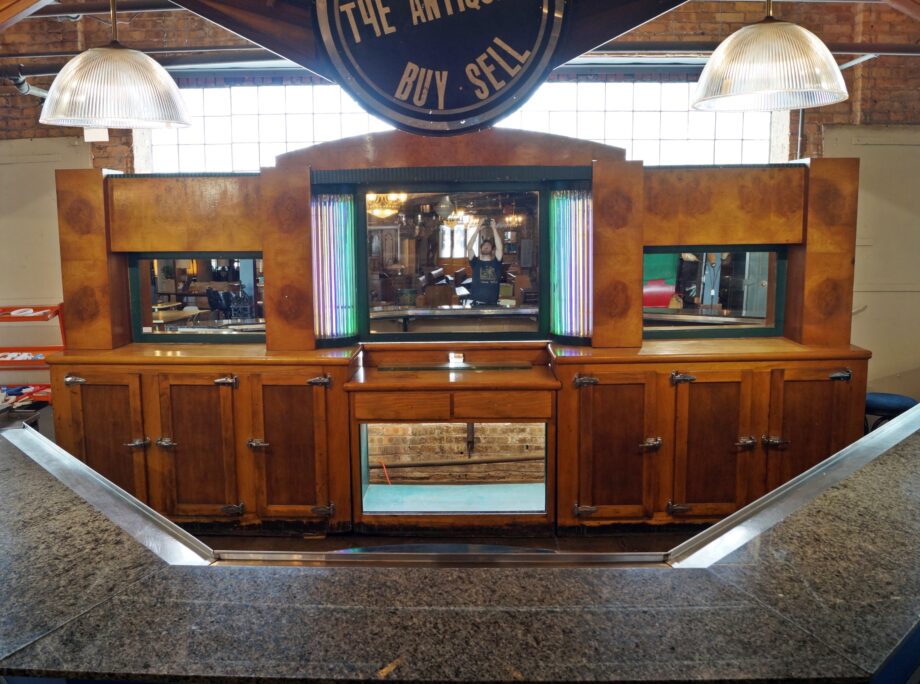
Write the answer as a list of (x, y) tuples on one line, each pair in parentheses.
[(114, 87), (768, 66)]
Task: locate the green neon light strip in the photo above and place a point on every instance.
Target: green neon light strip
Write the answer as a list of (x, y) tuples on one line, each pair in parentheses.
[(335, 289), (571, 219)]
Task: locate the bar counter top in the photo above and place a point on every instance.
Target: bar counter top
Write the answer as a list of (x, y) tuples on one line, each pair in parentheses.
[(828, 589)]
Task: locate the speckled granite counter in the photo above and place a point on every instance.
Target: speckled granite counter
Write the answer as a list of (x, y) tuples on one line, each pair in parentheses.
[(827, 594)]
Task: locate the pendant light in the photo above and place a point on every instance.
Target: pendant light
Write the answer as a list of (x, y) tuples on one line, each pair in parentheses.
[(768, 66), (114, 87)]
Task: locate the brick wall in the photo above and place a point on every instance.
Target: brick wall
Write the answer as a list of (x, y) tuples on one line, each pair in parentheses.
[(885, 90), (414, 442)]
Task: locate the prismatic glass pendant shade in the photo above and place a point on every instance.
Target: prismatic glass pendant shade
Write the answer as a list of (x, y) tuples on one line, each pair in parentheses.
[(771, 65), (114, 87)]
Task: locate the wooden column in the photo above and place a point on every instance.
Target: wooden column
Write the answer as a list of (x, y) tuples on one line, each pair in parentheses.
[(619, 199), (819, 302), (96, 310), (288, 259)]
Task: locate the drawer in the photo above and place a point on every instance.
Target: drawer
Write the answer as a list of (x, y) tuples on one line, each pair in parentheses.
[(519, 404), (402, 405)]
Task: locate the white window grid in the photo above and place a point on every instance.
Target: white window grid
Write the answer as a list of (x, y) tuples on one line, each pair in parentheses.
[(243, 128)]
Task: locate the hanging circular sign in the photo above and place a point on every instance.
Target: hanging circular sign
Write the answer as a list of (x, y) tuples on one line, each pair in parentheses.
[(440, 67)]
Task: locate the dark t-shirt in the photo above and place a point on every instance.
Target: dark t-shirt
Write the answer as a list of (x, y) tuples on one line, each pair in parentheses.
[(486, 277)]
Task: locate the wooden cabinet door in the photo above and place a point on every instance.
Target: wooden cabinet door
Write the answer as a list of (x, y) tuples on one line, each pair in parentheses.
[(196, 442), (617, 417), (289, 445), (809, 412), (106, 428), (712, 442)]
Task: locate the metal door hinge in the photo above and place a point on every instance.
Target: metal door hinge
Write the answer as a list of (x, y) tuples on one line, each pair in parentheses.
[(257, 444), (321, 381), (139, 443), (774, 442), (748, 442), (325, 511), (844, 375), (233, 509), (230, 380), (585, 380), (677, 377), (583, 510), (677, 509), (166, 443), (651, 444), (74, 380)]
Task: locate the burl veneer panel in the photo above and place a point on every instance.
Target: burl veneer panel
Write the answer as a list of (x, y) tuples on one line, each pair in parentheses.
[(95, 282), (190, 214), (820, 284), (724, 206), (618, 216), (287, 259), (492, 147)]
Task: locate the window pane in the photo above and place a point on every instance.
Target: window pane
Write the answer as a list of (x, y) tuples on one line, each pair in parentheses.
[(271, 128), (217, 130), (327, 127), (647, 97), (194, 134), (701, 125), (244, 100), (271, 99), (268, 152), (245, 128), (246, 157), (563, 123), (191, 158), (618, 124), (327, 99), (619, 97), (591, 97), (194, 101), (218, 158), (591, 125), (165, 158), (216, 101), (729, 125), (674, 125), (675, 97), (299, 99), (646, 125), (300, 128)]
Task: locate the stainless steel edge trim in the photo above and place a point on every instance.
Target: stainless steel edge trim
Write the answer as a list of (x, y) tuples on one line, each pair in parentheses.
[(441, 559), (171, 543), (732, 532)]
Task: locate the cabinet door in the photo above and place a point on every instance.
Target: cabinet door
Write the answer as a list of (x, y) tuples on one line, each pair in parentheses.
[(289, 445), (196, 442), (617, 417), (712, 442), (809, 412), (107, 427)]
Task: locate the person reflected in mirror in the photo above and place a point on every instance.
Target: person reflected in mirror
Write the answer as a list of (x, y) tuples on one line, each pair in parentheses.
[(486, 267)]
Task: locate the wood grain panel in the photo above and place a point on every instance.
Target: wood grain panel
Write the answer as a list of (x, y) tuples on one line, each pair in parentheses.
[(503, 405), (185, 214), (491, 147), (13, 11), (617, 190), (95, 282), (287, 253), (827, 296), (724, 206), (107, 427), (401, 405), (290, 460)]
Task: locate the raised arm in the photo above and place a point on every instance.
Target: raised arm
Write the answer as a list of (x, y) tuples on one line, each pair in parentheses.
[(499, 246), (470, 253)]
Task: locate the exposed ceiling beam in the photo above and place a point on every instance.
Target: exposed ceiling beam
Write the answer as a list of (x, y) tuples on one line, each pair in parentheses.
[(75, 9), (12, 11), (909, 7)]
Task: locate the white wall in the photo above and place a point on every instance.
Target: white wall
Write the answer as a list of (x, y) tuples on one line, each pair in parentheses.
[(887, 288), (30, 261)]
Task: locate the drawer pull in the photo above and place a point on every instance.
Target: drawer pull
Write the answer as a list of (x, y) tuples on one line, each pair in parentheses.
[(578, 511), (677, 377), (74, 380), (651, 444), (844, 375), (229, 380), (321, 381)]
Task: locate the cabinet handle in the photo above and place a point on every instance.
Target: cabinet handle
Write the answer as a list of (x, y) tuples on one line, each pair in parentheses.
[(325, 511), (230, 380), (585, 381), (651, 444), (166, 443), (746, 442), (677, 377), (139, 443), (844, 375), (677, 509), (774, 442), (74, 380), (321, 381), (583, 510), (257, 444), (233, 509)]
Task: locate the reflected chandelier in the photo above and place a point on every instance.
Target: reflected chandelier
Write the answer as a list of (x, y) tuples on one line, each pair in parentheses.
[(768, 66), (385, 206), (114, 87)]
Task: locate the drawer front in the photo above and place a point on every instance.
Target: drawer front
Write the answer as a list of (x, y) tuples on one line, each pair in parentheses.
[(503, 404), (401, 405)]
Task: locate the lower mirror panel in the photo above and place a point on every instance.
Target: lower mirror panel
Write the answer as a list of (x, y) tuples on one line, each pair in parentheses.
[(453, 468)]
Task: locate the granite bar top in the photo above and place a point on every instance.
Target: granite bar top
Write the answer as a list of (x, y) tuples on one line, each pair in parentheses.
[(825, 595)]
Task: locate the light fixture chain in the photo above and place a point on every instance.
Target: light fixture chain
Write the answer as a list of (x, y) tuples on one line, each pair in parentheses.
[(114, 21)]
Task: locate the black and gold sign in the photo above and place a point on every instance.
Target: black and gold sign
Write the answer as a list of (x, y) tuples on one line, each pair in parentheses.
[(439, 67)]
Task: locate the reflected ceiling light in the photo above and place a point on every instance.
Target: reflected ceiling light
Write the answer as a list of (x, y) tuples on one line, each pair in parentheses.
[(768, 66), (385, 206), (114, 87)]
